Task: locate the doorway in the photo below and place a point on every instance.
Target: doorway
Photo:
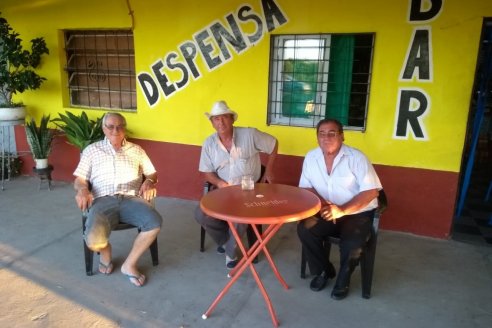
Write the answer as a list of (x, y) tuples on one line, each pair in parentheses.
[(473, 218)]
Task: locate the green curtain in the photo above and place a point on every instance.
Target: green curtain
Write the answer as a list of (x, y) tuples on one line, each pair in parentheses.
[(299, 86), (340, 77)]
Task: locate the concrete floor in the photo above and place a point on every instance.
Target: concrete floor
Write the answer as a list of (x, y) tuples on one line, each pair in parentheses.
[(418, 282)]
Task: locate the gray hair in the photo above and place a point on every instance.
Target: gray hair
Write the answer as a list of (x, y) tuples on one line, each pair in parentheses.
[(108, 114)]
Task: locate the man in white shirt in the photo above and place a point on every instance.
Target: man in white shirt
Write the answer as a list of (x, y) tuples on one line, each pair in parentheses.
[(109, 186), (348, 186), (226, 156)]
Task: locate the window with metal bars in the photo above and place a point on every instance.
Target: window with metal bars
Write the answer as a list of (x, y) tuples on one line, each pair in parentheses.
[(101, 69), (317, 76)]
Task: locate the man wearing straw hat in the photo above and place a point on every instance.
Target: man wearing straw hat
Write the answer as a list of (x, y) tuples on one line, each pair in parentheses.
[(226, 156)]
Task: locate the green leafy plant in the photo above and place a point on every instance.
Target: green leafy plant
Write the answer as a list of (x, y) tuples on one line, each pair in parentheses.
[(17, 64), (80, 130), (39, 138)]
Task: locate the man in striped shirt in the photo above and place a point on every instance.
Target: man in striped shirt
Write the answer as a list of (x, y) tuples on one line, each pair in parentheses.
[(109, 186)]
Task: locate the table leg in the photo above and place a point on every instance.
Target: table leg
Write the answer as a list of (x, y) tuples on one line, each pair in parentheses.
[(269, 258), (243, 264), (251, 250)]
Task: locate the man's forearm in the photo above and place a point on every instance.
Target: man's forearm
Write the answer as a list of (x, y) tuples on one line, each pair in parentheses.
[(359, 201), (272, 157), (213, 178)]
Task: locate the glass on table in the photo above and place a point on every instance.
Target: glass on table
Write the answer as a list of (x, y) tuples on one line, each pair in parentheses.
[(247, 182)]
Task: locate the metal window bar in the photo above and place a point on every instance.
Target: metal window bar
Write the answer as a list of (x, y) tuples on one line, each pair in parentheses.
[(98, 76), (107, 76), (119, 76)]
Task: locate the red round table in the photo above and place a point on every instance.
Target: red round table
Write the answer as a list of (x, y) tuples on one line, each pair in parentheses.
[(269, 204)]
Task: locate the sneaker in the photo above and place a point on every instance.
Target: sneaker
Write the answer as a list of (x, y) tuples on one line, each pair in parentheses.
[(231, 263), (220, 249)]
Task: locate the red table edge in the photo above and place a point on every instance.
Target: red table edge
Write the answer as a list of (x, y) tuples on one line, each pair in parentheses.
[(285, 219)]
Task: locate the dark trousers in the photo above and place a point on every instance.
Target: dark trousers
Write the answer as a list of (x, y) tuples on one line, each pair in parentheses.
[(353, 231)]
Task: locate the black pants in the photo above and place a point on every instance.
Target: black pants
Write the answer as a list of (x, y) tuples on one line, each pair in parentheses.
[(353, 231)]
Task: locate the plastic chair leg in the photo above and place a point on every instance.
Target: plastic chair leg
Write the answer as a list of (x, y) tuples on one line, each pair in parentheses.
[(154, 252), (367, 266), (89, 256), (303, 263), (202, 239)]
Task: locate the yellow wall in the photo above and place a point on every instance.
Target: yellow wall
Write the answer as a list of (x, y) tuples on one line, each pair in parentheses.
[(161, 26)]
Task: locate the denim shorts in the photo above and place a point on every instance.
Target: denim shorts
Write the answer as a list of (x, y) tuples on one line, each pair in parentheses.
[(106, 212)]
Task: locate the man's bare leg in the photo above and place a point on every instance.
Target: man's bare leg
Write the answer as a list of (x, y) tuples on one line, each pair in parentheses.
[(105, 256), (140, 245)]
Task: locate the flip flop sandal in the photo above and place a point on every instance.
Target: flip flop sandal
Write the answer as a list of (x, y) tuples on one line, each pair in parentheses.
[(137, 279), (107, 268)]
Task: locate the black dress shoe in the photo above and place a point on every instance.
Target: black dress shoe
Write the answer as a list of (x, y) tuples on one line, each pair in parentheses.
[(319, 282), (339, 293)]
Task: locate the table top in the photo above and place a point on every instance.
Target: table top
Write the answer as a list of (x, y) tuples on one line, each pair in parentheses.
[(266, 204)]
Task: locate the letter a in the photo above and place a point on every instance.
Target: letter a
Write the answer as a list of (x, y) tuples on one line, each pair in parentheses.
[(271, 10), (419, 57)]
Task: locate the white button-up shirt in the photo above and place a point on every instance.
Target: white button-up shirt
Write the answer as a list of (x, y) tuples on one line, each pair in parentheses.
[(351, 174)]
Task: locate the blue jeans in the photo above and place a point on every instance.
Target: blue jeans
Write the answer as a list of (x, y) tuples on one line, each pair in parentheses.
[(106, 212)]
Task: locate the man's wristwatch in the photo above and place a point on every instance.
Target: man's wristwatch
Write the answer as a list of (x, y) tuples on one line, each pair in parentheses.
[(151, 180)]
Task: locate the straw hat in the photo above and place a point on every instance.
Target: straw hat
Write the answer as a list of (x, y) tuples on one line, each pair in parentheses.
[(221, 108)]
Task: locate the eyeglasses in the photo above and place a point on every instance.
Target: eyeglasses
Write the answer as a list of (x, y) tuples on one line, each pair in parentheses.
[(329, 134), (114, 127)]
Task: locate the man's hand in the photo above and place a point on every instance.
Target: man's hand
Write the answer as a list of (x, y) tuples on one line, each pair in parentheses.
[(84, 199), (267, 176), (147, 190), (214, 179), (331, 212), (221, 184)]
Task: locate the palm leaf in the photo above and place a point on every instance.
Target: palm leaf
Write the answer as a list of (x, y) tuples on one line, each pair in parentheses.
[(79, 129)]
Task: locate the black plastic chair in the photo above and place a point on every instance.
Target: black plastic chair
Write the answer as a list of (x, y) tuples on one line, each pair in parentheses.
[(89, 254), (368, 254)]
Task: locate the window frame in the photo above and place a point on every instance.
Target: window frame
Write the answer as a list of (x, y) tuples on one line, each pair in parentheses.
[(276, 80), (108, 68)]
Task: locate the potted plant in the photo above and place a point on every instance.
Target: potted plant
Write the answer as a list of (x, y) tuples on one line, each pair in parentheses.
[(17, 70), (39, 140), (80, 130)]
